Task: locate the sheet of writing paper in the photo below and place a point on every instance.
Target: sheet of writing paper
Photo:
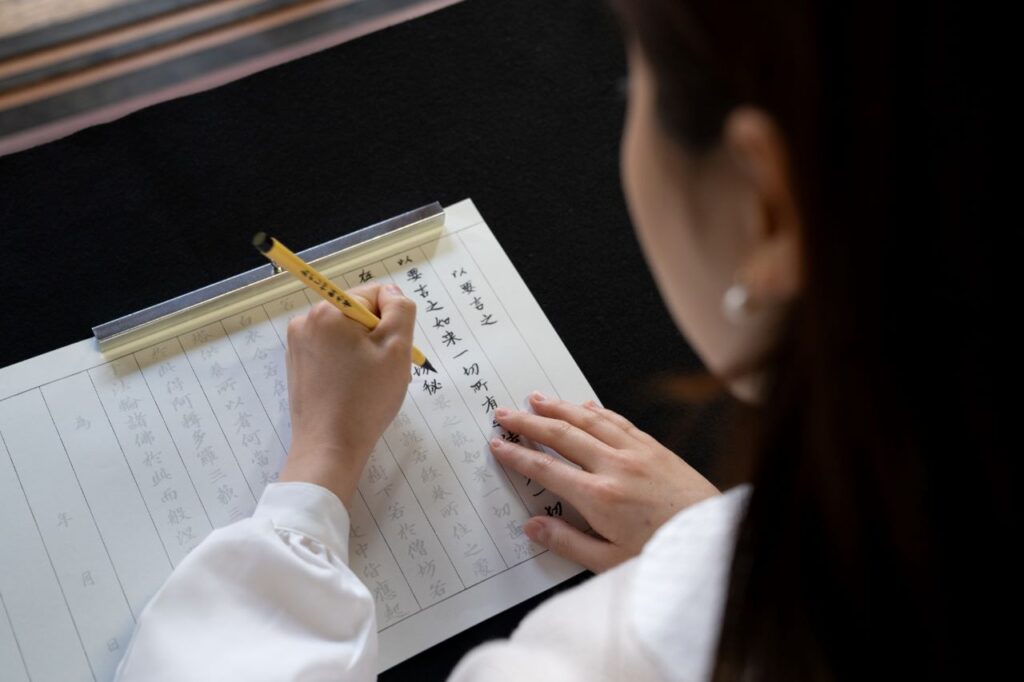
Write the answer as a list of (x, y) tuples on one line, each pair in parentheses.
[(113, 468)]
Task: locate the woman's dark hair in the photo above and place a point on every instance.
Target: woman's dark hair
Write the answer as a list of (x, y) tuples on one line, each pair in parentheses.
[(875, 543)]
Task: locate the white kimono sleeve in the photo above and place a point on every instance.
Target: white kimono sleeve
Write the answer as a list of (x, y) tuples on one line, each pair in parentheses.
[(267, 598)]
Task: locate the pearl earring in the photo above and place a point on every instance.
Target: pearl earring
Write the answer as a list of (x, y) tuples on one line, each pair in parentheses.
[(736, 303)]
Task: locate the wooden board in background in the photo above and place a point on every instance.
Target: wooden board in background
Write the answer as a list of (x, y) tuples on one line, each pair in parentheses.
[(51, 87)]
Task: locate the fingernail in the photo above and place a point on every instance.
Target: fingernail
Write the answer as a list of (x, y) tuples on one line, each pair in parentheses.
[(501, 412), (534, 529), (393, 289), (495, 443), (590, 403), (538, 396)]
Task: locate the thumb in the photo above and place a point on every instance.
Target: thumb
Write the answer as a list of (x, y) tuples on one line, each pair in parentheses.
[(575, 545), (397, 314)]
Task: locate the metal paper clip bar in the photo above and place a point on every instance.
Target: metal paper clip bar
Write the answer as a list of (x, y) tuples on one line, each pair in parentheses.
[(261, 284)]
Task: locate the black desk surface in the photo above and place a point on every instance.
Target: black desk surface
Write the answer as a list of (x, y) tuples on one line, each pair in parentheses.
[(514, 104)]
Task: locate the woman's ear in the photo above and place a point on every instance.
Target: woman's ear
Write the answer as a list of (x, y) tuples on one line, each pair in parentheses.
[(772, 270)]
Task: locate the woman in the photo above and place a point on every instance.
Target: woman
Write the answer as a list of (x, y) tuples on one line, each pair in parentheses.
[(803, 180)]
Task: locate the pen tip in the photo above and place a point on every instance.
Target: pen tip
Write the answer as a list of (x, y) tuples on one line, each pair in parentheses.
[(427, 366), (262, 242)]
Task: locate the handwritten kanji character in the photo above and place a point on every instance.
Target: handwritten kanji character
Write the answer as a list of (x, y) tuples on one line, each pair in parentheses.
[(449, 338)]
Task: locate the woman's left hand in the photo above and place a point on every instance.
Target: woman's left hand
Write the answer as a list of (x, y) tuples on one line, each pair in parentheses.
[(629, 484)]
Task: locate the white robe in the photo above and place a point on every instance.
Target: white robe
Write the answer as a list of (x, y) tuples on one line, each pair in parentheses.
[(272, 598)]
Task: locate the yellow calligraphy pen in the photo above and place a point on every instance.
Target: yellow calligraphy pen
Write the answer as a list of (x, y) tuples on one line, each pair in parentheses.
[(281, 255)]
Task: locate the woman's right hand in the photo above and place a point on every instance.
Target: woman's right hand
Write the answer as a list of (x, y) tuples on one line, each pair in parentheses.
[(629, 483), (345, 385)]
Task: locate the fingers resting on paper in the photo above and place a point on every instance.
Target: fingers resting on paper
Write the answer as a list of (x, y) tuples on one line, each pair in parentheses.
[(563, 539), (626, 486)]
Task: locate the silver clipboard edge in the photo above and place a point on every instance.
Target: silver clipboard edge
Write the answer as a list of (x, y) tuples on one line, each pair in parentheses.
[(147, 326)]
